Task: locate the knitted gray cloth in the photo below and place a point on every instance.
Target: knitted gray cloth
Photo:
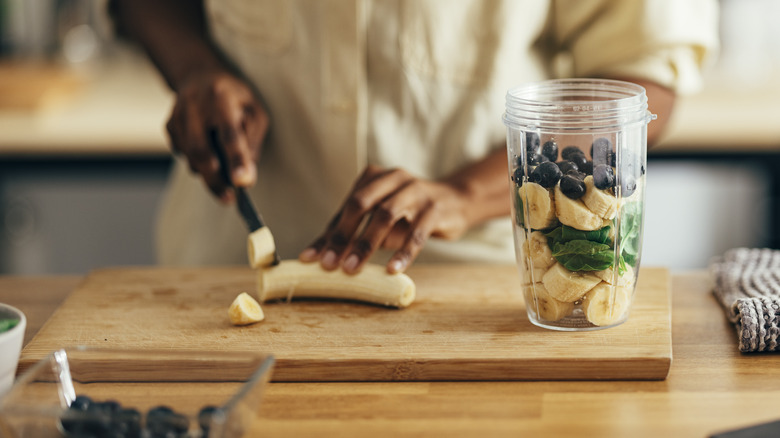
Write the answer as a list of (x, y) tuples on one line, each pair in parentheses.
[(747, 284)]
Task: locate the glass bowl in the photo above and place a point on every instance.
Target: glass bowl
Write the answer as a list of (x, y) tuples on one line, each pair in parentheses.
[(79, 392)]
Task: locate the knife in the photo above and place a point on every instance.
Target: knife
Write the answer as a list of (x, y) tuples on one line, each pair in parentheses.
[(246, 208)]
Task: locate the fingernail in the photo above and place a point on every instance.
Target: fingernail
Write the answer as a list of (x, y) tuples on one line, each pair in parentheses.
[(396, 266), (350, 264), (308, 255), (242, 176), (329, 260)]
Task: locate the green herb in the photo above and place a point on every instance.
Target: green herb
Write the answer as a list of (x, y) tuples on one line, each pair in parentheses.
[(631, 232), (584, 255), (518, 209), (7, 324), (580, 250)]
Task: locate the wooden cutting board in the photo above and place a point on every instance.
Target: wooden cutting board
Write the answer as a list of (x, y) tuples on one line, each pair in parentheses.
[(467, 323)]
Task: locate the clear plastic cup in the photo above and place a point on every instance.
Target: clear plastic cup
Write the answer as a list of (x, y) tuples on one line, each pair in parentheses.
[(577, 152)]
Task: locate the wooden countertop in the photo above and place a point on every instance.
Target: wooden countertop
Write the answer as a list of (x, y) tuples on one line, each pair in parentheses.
[(711, 387)]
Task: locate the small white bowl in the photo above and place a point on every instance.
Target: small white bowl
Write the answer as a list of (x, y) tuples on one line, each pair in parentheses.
[(10, 346)]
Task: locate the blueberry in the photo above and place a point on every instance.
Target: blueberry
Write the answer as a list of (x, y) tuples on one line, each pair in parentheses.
[(546, 174), (550, 150), (611, 159), (162, 421), (533, 160), (126, 423), (579, 159), (532, 142), (599, 149), (572, 187), (603, 176), (517, 177), (567, 166), (204, 418), (570, 151), (587, 168), (81, 403)]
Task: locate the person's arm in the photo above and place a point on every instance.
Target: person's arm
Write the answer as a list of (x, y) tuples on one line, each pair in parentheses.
[(389, 208), (660, 101), (210, 96)]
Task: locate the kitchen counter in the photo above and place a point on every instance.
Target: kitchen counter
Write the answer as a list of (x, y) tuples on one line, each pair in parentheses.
[(711, 387)]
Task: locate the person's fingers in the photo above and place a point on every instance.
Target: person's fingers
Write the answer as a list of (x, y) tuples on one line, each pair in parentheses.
[(405, 204), (255, 125), (174, 127), (229, 119), (420, 232), (370, 190), (199, 154)]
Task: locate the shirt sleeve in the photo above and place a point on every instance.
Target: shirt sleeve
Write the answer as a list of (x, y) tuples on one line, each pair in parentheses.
[(669, 42)]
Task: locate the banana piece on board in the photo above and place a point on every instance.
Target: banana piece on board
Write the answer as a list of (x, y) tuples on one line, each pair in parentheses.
[(601, 308), (245, 310), (537, 249), (261, 248), (373, 284), (574, 213), (539, 206), (545, 306), (600, 202), (568, 286), (608, 276)]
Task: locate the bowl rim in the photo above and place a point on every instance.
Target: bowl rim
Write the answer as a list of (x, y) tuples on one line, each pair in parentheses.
[(21, 326)]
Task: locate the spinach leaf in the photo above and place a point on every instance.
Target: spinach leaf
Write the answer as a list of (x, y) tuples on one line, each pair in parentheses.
[(7, 324), (631, 232), (518, 209), (583, 255), (565, 233)]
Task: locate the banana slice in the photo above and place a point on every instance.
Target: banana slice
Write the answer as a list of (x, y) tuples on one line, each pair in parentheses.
[(568, 286), (574, 213), (537, 249), (373, 284), (545, 306), (261, 248), (245, 310), (600, 202), (541, 210), (608, 276), (529, 275), (602, 307)]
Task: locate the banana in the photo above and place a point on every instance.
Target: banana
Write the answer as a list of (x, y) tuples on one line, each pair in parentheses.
[(568, 286), (608, 276), (601, 308), (261, 248), (245, 310), (601, 202), (373, 284), (538, 204), (545, 306), (574, 213), (538, 251), (529, 275)]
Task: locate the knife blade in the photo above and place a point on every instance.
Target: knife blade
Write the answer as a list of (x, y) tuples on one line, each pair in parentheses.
[(246, 208)]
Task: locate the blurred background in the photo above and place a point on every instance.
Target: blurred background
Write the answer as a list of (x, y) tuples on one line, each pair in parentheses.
[(84, 156)]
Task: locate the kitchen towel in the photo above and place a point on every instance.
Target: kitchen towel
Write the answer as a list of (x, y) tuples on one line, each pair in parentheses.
[(747, 284)]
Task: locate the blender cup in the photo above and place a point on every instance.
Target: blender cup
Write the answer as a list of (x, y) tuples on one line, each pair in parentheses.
[(577, 152)]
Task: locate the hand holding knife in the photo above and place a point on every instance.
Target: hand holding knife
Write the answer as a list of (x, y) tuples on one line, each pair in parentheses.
[(244, 203)]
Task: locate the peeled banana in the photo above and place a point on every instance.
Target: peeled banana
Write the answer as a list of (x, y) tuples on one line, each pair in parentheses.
[(537, 249), (568, 286), (261, 248), (245, 310), (545, 306), (624, 279), (602, 307), (539, 204), (574, 213), (373, 284), (600, 202)]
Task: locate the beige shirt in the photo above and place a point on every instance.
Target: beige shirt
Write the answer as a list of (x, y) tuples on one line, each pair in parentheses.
[(417, 84)]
